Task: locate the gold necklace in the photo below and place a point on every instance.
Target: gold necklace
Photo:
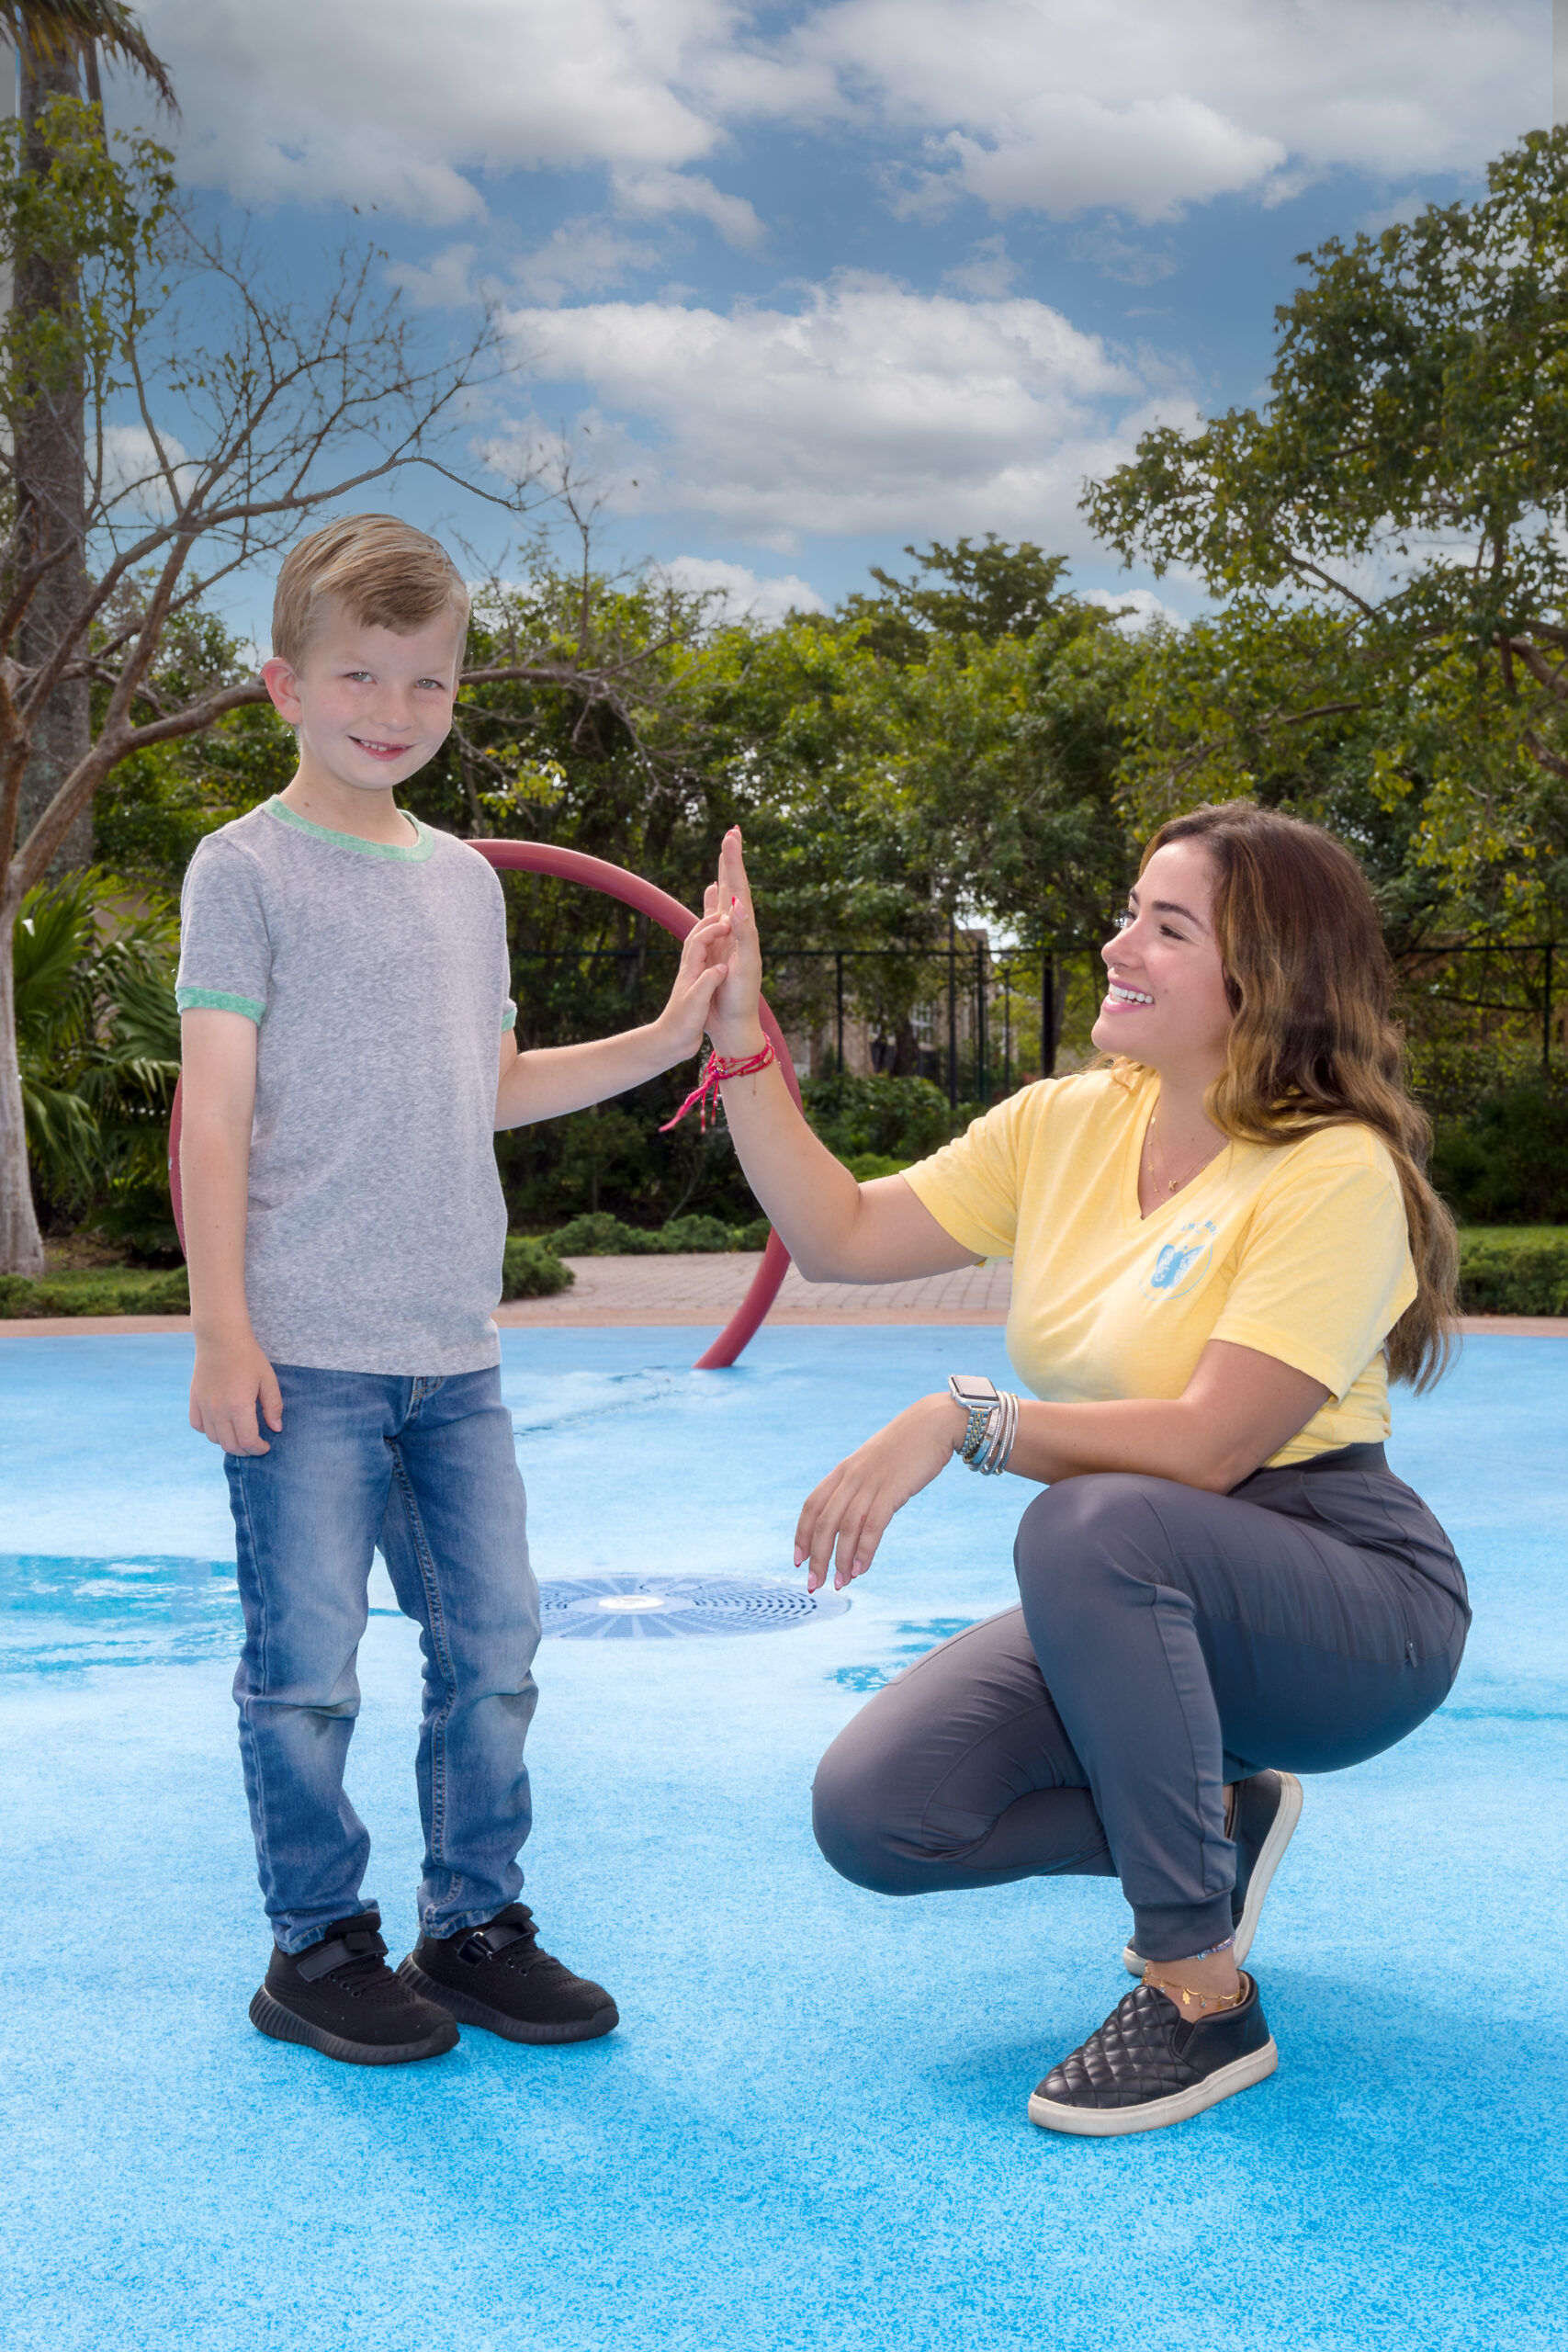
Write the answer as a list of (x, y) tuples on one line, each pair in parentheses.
[(1174, 1183)]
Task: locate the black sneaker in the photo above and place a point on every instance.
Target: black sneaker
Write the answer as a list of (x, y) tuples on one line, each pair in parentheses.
[(340, 1997), (1149, 2067), (1263, 1821), (496, 1976)]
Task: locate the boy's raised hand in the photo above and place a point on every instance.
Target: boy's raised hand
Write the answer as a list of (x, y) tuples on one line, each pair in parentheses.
[(734, 1022), (705, 955)]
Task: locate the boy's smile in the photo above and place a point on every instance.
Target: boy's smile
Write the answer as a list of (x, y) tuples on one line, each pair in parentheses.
[(371, 706)]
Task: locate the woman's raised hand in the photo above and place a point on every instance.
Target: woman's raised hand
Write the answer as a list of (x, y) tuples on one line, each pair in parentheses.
[(734, 1022), (845, 1518)]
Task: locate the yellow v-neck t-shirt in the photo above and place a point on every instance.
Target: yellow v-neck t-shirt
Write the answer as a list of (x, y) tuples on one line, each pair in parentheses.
[(1301, 1252)]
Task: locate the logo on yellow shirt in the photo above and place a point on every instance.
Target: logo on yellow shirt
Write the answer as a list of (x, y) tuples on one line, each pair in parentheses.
[(1183, 1263)]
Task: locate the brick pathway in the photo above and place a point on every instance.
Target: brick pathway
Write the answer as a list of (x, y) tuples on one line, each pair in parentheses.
[(708, 1289)]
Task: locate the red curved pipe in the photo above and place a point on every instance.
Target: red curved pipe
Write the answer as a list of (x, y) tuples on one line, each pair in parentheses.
[(611, 882)]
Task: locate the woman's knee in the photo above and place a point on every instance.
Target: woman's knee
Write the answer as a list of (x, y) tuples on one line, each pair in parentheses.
[(852, 1820), (1082, 1534)]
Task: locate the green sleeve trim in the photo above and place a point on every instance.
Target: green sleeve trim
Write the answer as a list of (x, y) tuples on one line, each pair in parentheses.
[(218, 1001), (509, 1018)]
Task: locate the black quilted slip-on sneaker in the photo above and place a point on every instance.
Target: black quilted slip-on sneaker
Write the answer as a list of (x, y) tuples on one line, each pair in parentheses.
[(340, 1997), (496, 1976), (1149, 2067), (1263, 1822)]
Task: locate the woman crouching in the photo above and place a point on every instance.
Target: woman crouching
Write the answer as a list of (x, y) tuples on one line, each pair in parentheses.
[(1224, 1248)]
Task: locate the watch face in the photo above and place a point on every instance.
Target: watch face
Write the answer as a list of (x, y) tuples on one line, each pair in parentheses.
[(973, 1388)]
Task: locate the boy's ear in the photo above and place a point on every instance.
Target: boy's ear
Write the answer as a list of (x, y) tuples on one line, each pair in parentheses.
[(281, 681)]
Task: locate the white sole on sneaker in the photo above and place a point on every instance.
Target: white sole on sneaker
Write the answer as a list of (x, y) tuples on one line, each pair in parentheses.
[(1114, 2122), (1268, 1861)]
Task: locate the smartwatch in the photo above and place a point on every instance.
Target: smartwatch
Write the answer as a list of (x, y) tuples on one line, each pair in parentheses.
[(979, 1398)]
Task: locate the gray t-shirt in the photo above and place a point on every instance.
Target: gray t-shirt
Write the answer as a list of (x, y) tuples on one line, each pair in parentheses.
[(377, 977)]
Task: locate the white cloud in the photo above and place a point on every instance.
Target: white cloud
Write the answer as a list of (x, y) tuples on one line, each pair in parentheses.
[(738, 592), (398, 103), (1135, 607), (988, 269), (134, 483), (444, 283), (1061, 106), (1064, 153), (581, 258), (1119, 257), (871, 408), (657, 193), (1058, 105)]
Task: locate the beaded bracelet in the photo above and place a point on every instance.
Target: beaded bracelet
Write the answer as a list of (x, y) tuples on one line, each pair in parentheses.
[(990, 1452)]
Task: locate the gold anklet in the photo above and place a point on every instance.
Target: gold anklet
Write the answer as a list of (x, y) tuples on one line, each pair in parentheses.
[(1215, 2001)]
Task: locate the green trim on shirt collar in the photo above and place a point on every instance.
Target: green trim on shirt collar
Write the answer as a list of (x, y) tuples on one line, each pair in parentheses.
[(415, 855)]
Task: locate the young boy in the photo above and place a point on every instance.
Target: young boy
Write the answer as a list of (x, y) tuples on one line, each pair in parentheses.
[(347, 1058)]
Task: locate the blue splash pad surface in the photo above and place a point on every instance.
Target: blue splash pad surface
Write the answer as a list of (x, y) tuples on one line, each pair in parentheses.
[(810, 2130)]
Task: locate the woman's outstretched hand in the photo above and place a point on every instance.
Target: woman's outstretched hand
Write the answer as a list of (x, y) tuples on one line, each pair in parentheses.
[(845, 1518), (734, 1020)]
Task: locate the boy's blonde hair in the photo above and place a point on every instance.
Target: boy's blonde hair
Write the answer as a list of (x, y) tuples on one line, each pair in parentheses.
[(386, 574)]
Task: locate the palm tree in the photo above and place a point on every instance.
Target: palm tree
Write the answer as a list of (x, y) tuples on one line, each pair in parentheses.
[(57, 44), (69, 33)]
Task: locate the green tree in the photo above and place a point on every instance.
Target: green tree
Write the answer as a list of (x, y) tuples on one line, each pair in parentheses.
[(988, 592), (222, 417), (1406, 484), (58, 44)]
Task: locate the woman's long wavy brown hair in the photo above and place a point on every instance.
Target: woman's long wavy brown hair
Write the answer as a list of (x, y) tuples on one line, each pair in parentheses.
[(1313, 1044)]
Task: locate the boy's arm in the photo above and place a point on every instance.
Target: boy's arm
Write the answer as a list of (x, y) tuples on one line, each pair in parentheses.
[(551, 1080), (218, 1054)]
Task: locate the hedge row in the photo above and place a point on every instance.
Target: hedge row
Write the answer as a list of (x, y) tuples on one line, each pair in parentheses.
[(106, 1290), (1508, 1270), (530, 1272), (1513, 1270), (602, 1235)]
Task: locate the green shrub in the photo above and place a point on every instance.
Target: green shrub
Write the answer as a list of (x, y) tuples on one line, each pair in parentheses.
[(1522, 1271), (602, 1235), (897, 1118), (867, 1166), (692, 1233), (1507, 1163), (109, 1290), (530, 1269), (98, 1039)]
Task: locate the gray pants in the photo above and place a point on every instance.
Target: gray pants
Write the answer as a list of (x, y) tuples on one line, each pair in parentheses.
[(1169, 1640)]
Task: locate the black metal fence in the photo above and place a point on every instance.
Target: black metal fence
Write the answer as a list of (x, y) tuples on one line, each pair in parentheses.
[(981, 1008), (991, 1018)]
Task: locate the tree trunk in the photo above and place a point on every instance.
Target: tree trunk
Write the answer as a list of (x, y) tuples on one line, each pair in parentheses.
[(21, 1247), (50, 447)]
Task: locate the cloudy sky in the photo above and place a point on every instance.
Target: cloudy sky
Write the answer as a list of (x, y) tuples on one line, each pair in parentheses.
[(800, 283)]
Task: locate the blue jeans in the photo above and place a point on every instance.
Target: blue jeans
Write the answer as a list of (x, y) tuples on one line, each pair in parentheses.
[(426, 1469)]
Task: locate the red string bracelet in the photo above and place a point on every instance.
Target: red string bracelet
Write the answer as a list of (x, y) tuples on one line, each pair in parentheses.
[(715, 1069)]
